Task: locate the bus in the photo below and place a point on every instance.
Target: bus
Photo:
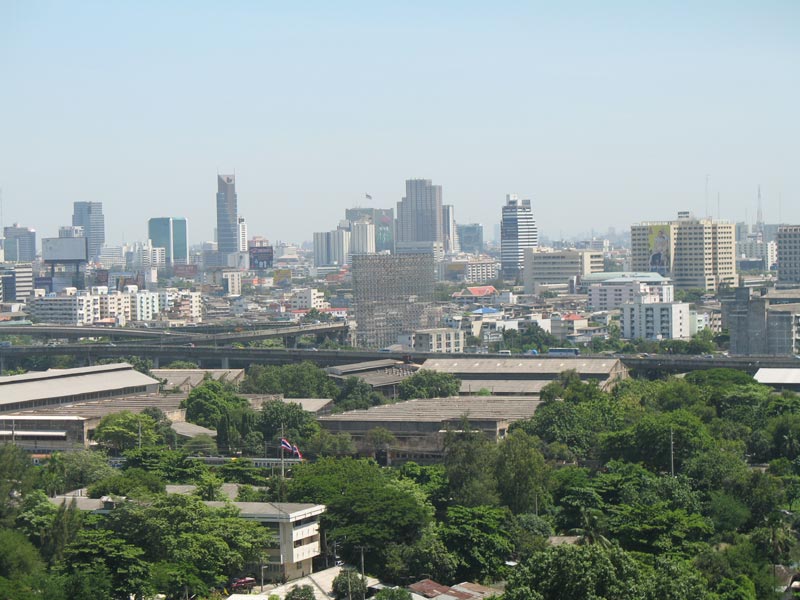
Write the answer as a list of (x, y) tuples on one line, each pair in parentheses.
[(562, 352)]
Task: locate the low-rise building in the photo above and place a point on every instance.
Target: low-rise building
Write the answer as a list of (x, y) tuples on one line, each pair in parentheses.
[(648, 320), (441, 339)]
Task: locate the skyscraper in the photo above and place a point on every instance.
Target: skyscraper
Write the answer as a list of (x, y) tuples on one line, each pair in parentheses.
[(382, 218), (517, 232), (242, 234), (171, 234), (450, 230), (392, 295), (419, 214), (470, 238), (227, 218), (20, 243), (89, 215), (789, 256)]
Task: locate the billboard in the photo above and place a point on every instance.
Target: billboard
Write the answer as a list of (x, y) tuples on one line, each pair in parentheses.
[(261, 258), (185, 271), (65, 249), (659, 247), (282, 277)]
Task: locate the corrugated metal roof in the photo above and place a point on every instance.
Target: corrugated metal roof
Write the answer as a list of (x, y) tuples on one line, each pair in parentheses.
[(537, 365), (70, 382), (778, 376)]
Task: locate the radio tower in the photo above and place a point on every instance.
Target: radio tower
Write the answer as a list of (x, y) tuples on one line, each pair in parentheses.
[(759, 216)]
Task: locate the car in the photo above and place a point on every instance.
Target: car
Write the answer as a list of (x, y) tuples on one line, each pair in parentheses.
[(243, 583)]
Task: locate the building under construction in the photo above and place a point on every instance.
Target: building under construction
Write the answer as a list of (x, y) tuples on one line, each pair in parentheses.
[(393, 294)]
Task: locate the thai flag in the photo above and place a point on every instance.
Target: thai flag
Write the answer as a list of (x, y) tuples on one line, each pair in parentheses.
[(286, 445), (296, 452)]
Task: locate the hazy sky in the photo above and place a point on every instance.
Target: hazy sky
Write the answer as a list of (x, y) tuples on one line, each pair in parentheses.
[(603, 113)]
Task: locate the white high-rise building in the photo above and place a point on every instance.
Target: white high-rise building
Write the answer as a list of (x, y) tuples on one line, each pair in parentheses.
[(242, 229), (331, 247), (517, 232), (450, 234), (362, 238)]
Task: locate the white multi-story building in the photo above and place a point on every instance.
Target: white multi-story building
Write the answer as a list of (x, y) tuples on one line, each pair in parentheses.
[(331, 247), (242, 231), (114, 305), (757, 249), (518, 232), (613, 293), (144, 306), (644, 319), (143, 256), (443, 339), (308, 299), (65, 309), (362, 238), (480, 271)]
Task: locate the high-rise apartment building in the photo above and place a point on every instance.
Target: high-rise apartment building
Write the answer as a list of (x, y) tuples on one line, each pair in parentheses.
[(20, 243), (695, 253), (170, 233), (89, 215), (71, 231), (788, 256), (470, 238), (450, 230), (242, 229), (382, 219), (558, 266), (419, 215), (331, 248), (392, 295), (517, 233), (362, 237), (227, 217)]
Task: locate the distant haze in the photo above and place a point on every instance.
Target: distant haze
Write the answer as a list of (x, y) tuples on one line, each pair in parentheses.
[(603, 113)]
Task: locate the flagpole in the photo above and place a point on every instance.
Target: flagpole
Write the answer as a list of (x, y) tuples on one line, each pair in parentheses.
[(282, 437)]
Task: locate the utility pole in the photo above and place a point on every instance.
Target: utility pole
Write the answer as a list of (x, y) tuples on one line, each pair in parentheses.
[(671, 453)]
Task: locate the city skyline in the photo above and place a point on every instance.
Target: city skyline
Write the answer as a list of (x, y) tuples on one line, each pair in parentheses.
[(552, 104)]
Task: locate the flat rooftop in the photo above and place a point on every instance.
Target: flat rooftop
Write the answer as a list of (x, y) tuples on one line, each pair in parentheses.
[(521, 366), (778, 376)]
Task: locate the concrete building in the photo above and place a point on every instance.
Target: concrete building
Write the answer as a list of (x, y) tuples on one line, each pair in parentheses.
[(331, 248), (441, 339), (308, 299), (392, 295), (172, 234), (362, 237), (241, 228), (788, 258), (227, 215), (558, 266), (470, 237), (144, 305), (65, 309), (647, 319), (63, 386), (19, 244), (419, 213), (89, 215), (754, 249), (16, 282), (450, 230), (695, 253), (114, 306), (382, 219), (420, 426), (763, 323), (611, 294), (517, 233)]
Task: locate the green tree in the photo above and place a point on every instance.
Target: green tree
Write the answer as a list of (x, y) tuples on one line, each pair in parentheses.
[(302, 592), (18, 557), (521, 473), (124, 430), (426, 555), (468, 460), (201, 445), (286, 419), (134, 482), (348, 585), (357, 394), (298, 380), (84, 467), (325, 443), (393, 594), (578, 573), (428, 384), (479, 537)]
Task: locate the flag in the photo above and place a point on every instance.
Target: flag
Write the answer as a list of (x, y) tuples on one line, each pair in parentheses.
[(296, 452), (368, 196), (286, 445)]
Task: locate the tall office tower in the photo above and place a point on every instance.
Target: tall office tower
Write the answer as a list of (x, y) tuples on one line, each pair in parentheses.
[(89, 215), (470, 238), (392, 295), (517, 232), (171, 234), (362, 237), (789, 256), (695, 253), (450, 230), (419, 214), (20, 243), (382, 218), (227, 219), (331, 248), (242, 229)]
